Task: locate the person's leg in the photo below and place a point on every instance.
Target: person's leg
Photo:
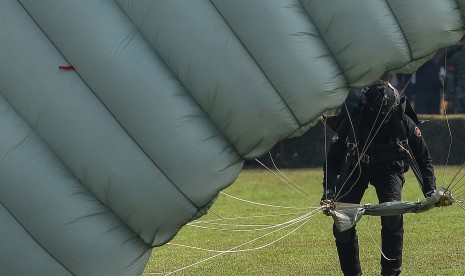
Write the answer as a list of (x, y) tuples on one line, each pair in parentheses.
[(347, 241), (348, 252), (389, 188)]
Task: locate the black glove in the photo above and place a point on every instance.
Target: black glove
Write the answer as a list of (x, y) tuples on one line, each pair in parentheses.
[(326, 200), (328, 195)]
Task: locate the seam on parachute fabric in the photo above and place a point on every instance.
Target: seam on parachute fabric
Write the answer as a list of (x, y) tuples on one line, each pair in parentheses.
[(403, 34), (116, 120), (34, 239), (258, 65), (199, 208), (71, 173), (343, 73), (185, 91), (33, 132), (412, 59)]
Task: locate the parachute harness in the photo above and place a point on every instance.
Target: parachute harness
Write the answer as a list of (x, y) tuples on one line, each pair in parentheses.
[(339, 213)]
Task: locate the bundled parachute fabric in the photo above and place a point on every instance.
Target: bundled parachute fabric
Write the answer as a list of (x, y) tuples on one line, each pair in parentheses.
[(121, 120), (346, 215)]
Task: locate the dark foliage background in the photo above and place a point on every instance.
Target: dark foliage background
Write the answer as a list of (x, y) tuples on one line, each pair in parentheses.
[(308, 150)]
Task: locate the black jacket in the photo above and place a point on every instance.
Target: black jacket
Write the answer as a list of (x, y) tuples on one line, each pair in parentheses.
[(383, 149)]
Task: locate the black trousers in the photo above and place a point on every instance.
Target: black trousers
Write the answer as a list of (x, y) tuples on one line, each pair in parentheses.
[(388, 180)]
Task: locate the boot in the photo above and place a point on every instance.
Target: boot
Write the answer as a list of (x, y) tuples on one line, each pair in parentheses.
[(392, 243)]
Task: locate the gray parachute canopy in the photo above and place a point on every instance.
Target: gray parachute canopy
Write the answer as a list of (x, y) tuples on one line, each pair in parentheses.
[(166, 100)]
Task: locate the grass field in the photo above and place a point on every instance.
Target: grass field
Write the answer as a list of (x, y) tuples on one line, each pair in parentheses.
[(434, 241)]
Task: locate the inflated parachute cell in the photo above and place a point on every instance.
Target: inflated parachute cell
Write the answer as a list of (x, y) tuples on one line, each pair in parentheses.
[(166, 100)]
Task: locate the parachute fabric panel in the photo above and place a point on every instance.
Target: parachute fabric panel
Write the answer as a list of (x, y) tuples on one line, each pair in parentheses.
[(372, 37), (286, 45), (157, 109), (61, 215), (14, 242), (217, 70), (102, 163)]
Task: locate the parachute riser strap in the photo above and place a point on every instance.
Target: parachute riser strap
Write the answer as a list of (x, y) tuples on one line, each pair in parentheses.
[(400, 131), (352, 149), (352, 143)]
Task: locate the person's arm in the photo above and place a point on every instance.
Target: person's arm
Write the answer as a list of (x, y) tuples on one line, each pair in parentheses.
[(422, 157)]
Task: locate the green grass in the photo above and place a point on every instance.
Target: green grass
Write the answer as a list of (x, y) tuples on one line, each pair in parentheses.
[(434, 241)]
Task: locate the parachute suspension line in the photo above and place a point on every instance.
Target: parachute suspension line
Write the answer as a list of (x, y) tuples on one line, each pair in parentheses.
[(290, 180), (336, 196), (367, 144), (415, 168), (452, 184), (325, 119), (286, 182), (263, 204), (459, 196), (447, 121), (260, 228), (376, 244), (215, 214), (370, 139), (401, 93), (304, 218), (243, 217), (224, 225), (459, 202), (357, 165), (458, 189)]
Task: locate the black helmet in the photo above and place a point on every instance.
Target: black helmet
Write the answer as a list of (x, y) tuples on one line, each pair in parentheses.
[(380, 97)]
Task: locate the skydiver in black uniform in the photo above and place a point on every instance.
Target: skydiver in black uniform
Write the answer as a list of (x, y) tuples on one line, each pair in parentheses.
[(376, 143)]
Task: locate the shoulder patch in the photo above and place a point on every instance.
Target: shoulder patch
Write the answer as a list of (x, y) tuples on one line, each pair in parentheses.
[(417, 132), (335, 138)]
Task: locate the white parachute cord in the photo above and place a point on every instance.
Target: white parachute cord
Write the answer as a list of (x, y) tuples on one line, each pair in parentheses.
[(357, 165), (213, 212), (232, 250), (458, 203), (401, 93), (285, 182), (447, 121), (368, 142), (453, 185), (244, 217), (415, 168), (267, 227), (266, 205), (326, 156), (364, 149), (376, 244), (325, 119), (249, 249), (290, 180), (288, 224), (459, 195)]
